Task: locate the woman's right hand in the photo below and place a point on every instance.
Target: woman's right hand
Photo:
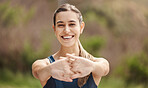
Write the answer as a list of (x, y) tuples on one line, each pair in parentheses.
[(60, 69)]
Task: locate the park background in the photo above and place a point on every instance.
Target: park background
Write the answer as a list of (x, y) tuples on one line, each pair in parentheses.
[(115, 29)]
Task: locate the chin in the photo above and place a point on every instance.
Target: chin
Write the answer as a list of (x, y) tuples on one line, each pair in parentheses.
[(68, 44)]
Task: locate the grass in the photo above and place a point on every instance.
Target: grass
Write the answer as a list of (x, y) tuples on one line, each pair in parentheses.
[(111, 83), (115, 82), (9, 79), (18, 80)]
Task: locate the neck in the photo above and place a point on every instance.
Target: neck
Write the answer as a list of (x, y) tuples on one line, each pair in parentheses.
[(72, 49)]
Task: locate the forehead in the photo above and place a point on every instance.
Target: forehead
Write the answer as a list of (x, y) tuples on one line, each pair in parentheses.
[(67, 16)]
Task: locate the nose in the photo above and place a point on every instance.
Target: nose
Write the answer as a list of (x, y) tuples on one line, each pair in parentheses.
[(66, 30)]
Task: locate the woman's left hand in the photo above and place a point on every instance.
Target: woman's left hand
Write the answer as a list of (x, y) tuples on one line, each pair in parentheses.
[(80, 66)]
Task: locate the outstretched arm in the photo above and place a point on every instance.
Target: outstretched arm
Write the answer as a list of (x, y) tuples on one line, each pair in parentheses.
[(82, 66), (41, 69), (60, 69), (100, 67)]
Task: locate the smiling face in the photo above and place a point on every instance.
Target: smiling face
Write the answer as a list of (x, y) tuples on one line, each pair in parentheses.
[(68, 28)]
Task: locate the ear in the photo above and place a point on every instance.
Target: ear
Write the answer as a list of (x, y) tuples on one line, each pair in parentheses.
[(53, 27), (82, 27)]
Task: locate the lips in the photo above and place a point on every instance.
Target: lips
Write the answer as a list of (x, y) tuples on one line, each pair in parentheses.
[(67, 36)]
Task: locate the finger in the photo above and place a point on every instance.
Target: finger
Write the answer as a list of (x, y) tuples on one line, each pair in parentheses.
[(69, 72), (75, 70), (70, 60), (65, 58), (71, 65), (77, 75), (67, 79), (62, 57), (72, 56)]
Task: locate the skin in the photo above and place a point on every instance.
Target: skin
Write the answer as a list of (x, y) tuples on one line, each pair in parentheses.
[(68, 64)]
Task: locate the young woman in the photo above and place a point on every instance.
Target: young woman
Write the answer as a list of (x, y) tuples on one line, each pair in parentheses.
[(71, 66)]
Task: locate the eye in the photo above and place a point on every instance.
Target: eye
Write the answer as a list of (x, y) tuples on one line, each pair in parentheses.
[(72, 24), (61, 25)]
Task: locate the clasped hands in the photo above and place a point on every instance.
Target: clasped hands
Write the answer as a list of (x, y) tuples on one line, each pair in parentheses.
[(71, 67)]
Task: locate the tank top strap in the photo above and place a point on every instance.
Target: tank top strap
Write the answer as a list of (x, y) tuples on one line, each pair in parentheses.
[(51, 59)]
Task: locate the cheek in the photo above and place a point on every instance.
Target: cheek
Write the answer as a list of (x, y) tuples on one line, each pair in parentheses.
[(58, 31), (77, 31)]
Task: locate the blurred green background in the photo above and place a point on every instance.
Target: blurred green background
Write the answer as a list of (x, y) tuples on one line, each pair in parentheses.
[(115, 29)]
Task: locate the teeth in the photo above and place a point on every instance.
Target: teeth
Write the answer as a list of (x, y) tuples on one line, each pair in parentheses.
[(67, 37)]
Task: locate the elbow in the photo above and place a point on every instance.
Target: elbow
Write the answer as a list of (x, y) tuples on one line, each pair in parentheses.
[(34, 70), (106, 71), (36, 73), (39, 70), (41, 78), (101, 67), (106, 67)]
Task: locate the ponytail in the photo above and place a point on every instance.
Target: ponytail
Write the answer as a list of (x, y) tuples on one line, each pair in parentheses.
[(85, 54)]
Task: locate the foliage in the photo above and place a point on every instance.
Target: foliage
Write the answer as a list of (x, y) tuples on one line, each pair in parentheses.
[(99, 16), (93, 44), (138, 69), (24, 58), (116, 82), (14, 15), (29, 54), (122, 22), (111, 82), (145, 46), (19, 80), (9, 79), (11, 17), (119, 17), (134, 69)]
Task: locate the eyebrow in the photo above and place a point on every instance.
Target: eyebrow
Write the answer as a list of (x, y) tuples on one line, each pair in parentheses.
[(60, 22), (72, 21), (68, 21)]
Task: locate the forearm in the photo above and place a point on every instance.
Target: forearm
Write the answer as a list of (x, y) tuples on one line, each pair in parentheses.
[(41, 70), (44, 73), (100, 67)]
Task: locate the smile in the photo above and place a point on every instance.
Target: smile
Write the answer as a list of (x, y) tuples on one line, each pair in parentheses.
[(68, 37)]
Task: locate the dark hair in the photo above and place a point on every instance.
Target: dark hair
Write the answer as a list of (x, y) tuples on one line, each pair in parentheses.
[(67, 7)]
